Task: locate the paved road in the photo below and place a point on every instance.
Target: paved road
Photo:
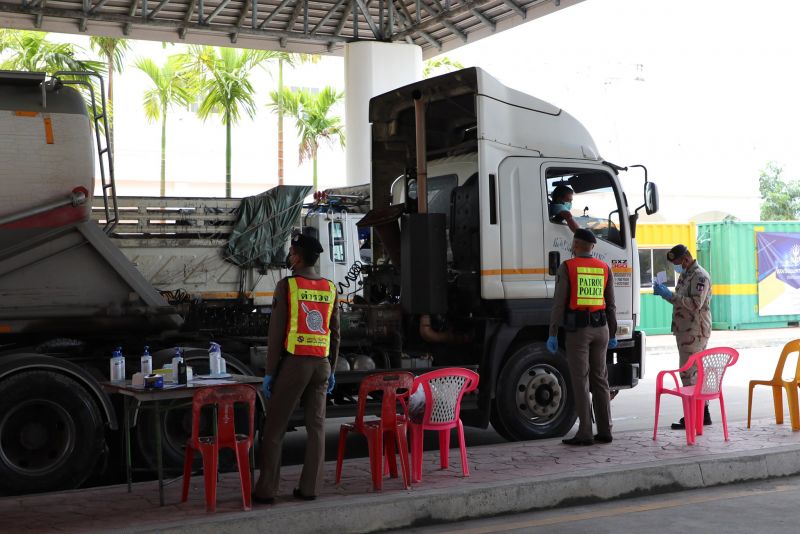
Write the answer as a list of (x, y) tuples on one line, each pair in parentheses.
[(633, 409), (769, 506)]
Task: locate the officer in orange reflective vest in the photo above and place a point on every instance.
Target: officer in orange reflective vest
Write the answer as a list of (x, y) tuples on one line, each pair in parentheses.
[(584, 304), (302, 348)]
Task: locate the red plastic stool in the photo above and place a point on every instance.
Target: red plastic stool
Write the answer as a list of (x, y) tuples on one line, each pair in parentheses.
[(224, 398)]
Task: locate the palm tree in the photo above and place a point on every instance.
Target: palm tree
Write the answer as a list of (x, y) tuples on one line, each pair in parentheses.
[(31, 51), (170, 87), (113, 51), (286, 58), (441, 65), (312, 114), (222, 78)]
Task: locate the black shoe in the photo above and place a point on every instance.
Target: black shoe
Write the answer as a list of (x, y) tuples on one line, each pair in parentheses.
[(681, 425), (299, 495), (578, 441), (263, 500), (603, 438)]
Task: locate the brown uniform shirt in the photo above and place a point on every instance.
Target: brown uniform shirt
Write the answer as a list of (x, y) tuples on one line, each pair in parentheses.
[(691, 302), (280, 315), (561, 300)]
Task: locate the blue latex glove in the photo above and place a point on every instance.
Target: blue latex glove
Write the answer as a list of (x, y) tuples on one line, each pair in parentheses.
[(552, 344), (331, 383), (612, 343), (662, 291), (266, 387)]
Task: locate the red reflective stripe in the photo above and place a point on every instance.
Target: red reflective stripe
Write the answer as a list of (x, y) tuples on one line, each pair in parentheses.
[(572, 270)]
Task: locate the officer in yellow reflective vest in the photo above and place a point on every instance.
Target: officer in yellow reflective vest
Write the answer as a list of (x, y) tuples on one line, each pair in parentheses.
[(584, 304), (302, 348)]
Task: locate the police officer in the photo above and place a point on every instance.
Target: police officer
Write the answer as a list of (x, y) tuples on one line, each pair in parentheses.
[(302, 348), (584, 304), (691, 313)]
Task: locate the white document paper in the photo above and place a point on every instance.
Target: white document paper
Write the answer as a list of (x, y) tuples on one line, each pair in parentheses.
[(661, 277)]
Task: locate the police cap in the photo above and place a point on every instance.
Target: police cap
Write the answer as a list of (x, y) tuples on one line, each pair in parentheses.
[(677, 252), (585, 235), (307, 243)]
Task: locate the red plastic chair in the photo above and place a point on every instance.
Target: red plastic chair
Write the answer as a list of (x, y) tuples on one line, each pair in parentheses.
[(711, 366), (394, 386), (224, 398), (444, 389)]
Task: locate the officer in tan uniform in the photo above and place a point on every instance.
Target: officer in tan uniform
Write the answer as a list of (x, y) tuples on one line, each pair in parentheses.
[(691, 313), (584, 304), (302, 348)]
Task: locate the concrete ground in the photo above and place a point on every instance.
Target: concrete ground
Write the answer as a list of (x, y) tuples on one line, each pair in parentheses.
[(506, 478)]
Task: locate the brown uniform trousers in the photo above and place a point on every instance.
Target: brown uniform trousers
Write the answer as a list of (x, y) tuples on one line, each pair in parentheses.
[(586, 356), (301, 378)]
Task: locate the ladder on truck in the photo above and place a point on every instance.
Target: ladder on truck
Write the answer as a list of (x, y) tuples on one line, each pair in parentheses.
[(105, 153)]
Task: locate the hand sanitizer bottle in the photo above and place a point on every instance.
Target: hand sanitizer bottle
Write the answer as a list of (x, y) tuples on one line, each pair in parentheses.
[(214, 359), (117, 371), (147, 361)]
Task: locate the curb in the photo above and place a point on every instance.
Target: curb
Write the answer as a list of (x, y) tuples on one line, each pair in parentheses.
[(376, 512)]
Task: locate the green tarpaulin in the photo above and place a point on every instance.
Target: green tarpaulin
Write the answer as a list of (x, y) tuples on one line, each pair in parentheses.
[(264, 226)]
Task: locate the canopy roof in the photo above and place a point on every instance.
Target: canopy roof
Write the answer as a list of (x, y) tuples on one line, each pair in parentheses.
[(311, 26)]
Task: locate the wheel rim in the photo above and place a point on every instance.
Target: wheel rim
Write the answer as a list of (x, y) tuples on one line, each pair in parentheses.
[(541, 394), (36, 437)]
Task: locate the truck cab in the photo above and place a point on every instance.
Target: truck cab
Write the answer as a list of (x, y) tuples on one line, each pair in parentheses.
[(491, 158)]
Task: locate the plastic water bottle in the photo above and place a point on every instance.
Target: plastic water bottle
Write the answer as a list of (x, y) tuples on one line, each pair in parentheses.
[(117, 371), (215, 359), (147, 361)]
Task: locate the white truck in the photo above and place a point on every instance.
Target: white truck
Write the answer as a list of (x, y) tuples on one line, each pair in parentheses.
[(448, 260)]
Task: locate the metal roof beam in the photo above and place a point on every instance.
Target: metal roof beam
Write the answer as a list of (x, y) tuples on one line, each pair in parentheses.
[(157, 9), (222, 5), (454, 30), (516, 7), (405, 18), (483, 18), (131, 11), (327, 16), (274, 12), (295, 13), (186, 18), (342, 21), (242, 16), (368, 18), (444, 16)]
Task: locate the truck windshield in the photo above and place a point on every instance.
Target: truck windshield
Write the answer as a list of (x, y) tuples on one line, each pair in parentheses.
[(589, 195)]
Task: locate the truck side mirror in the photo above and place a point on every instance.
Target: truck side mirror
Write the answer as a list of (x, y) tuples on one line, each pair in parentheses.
[(554, 260), (650, 198)]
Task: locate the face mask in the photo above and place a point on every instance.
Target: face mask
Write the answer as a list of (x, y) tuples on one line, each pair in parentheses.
[(679, 269), (567, 205)]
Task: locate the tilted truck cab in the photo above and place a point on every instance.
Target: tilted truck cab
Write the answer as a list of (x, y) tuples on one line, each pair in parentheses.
[(491, 157)]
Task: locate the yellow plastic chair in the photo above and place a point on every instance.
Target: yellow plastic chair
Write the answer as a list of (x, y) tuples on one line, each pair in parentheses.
[(778, 384)]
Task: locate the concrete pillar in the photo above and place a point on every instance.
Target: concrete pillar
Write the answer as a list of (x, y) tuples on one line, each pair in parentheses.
[(372, 69)]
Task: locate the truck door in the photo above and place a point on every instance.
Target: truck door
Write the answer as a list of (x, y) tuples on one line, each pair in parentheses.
[(597, 204), (520, 190)]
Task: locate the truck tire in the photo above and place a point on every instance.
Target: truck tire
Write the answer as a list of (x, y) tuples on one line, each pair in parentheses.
[(533, 399), (176, 425), (51, 433)]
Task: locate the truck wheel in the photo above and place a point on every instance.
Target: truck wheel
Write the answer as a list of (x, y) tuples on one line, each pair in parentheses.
[(176, 425), (534, 395), (51, 433)]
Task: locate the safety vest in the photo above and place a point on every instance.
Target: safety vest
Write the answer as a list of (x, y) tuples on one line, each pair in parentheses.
[(310, 308), (587, 283)]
